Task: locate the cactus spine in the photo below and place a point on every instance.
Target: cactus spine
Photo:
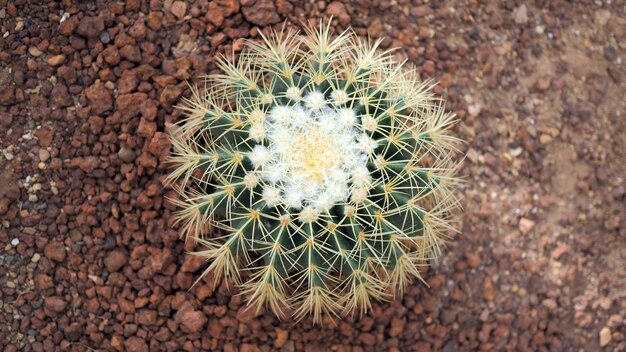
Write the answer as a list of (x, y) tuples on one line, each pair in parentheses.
[(326, 168)]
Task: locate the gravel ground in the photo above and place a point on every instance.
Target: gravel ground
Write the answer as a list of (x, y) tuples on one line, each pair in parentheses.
[(89, 259)]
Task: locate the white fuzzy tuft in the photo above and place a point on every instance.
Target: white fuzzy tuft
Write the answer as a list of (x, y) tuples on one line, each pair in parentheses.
[(314, 100), (346, 117), (369, 123), (313, 155), (250, 180), (366, 144), (294, 93), (339, 96), (308, 215), (259, 156), (359, 195), (271, 196), (257, 132)]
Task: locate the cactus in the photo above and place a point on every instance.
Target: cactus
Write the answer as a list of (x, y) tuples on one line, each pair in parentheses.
[(320, 166)]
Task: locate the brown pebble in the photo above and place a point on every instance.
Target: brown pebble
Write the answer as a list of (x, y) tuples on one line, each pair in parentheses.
[(56, 60), (54, 305), (115, 260), (55, 251), (178, 9)]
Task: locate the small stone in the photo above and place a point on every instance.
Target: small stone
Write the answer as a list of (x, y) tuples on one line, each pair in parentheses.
[(90, 26), (115, 260), (146, 128), (397, 326), (192, 263), (68, 26), (111, 55), (55, 251), (281, 337), (605, 336), (489, 292), (129, 105), (247, 347), (178, 9), (127, 83), (245, 314), (131, 53), (146, 317), (160, 145), (191, 320), (56, 60), (376, 29), (558, 251), (44, 155), (7, 155), (338, 10), (602, 17), (525, 225), (136, 344), (610, 53), (15, 242), (54, 305), (545, 139), (543, 84), (127, 155), (215, 14), (521, 14), (169, 95), (473, 259), (34, 51), (474, 109), (36, 257), (100, 98), (262, 13), (88, 164), (44, 281), (550, 304), (105, 38), (45, 136)]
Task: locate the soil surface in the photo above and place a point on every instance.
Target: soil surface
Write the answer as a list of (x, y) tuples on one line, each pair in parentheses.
[(90, 259)]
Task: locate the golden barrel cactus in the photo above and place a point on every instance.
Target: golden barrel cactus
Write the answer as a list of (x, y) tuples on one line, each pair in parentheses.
[(319, 166)]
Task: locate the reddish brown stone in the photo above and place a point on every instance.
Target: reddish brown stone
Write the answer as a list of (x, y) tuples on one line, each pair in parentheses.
[(55, 251), (45, 136), (146, 128), (90, 26), (215, 14), (100, 98), (231, 7), (338, 10), (191, 320), (127, 83), (262, 13), (54, 305), (178, 9), (129, 105), (136, 344), (192, 263), (160, 145), (146, 317), (131, 53), (115, 260), (88, 164), (169, 95), (111, 55), (44, 281), (68, 26)]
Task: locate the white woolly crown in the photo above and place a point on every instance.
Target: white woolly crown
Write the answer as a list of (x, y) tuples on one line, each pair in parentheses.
[(315, 155)]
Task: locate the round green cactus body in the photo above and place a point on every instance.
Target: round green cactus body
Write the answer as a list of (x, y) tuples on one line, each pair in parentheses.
[(326, 166)]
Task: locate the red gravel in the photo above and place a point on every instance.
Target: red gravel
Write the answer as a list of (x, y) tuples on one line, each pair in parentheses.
[(90, 260)]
